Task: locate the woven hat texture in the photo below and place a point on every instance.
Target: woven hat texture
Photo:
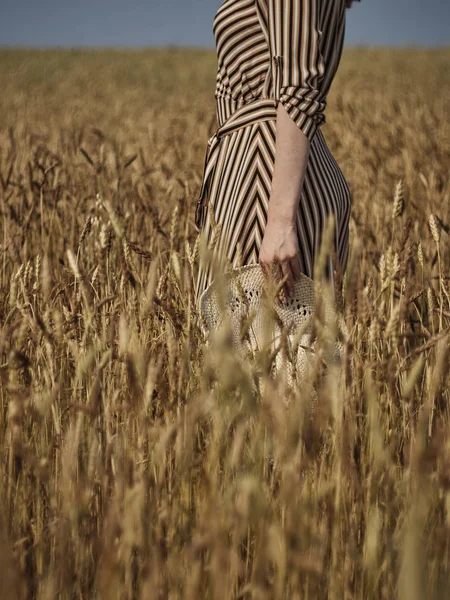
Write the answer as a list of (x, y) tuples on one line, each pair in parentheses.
[(244, 295)]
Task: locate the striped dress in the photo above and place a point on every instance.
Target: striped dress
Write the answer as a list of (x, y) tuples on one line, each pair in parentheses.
[(272, 51)]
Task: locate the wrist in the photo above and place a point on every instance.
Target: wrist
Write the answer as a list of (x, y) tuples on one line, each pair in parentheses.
[(281, 223), (279, 216)]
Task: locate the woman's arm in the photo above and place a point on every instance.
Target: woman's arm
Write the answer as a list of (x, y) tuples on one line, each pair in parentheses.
[(298, 71), (291, 157), (280, 242)]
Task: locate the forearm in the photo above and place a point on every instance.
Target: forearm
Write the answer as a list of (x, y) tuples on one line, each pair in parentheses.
[(291, 157)]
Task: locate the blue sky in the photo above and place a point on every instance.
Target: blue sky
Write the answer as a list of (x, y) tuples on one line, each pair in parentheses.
[(189, 22)]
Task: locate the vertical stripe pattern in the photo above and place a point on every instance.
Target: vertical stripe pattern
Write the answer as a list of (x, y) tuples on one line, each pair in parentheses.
[(272, 51)]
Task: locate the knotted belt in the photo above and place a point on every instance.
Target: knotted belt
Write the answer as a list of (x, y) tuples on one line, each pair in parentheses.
[(263, 109)]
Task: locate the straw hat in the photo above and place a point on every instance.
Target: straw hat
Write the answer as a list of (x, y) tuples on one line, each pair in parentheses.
[(257, 320)]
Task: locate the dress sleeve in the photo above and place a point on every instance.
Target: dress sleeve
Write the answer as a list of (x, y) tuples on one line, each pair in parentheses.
[(298, 66)]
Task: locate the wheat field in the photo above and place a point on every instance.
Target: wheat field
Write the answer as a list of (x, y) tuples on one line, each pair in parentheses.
[(130, 466)]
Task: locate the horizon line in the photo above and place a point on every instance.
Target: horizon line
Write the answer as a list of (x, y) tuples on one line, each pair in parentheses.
[(119, 47)]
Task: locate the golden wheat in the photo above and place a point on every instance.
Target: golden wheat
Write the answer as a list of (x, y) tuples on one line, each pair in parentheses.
[(136, 461)]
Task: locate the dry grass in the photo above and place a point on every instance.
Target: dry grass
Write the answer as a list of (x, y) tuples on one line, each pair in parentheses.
[(130, 468)]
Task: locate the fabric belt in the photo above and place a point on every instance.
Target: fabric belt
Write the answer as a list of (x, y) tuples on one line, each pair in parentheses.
[(263, 109)]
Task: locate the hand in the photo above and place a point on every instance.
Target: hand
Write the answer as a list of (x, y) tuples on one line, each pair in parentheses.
[(279, 250)]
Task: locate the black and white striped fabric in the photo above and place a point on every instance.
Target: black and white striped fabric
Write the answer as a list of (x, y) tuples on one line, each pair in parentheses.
[(272, 51)]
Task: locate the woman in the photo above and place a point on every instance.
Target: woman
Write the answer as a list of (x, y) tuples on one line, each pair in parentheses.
[(269, 175)]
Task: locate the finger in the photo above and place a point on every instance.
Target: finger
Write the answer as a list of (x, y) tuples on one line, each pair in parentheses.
[(276, 275), (295, 267), (263, 268), (287, 272), (268, 272), (266, 269), (275, 271)]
